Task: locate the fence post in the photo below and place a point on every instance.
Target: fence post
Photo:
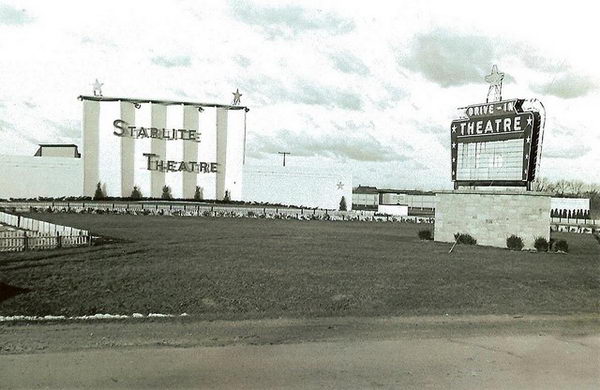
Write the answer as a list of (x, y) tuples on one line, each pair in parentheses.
[(58, 240), (25, 241)]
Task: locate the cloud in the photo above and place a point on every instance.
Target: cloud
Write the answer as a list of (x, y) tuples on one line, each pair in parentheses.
[(303, 92), (171, 62), (313, 94), (242, 61), (10, 16), (348, 63), (66, 128), (4, 126), (360, 147), (289, 20), (568, 152), (9, 128), (532, 59), (449, 59), (567, 86)]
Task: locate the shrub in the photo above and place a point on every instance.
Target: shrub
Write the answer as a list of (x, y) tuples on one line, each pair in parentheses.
[(541, 244), (343, 206), (514, 243), (561, 246), (99, 194), (136, 193), (425, 234), (463, 238), (199, 194), (166, 192)]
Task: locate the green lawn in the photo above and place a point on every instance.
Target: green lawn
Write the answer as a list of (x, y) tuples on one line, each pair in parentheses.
[(254, 268)]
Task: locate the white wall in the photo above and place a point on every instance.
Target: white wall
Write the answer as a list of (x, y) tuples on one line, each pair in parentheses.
[(570, 204), (400, 210), (298, 186), (32, 177), (422, 201)]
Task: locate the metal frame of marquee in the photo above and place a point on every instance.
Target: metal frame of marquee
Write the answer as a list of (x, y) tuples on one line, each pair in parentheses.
[(531, 152)]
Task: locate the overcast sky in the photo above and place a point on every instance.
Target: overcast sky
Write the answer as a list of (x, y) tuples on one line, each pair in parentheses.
[(372, 85)]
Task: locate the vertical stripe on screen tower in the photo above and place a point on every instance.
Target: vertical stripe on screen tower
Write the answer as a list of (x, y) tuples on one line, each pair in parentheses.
[(127, 150), (222, 114), (158, 147), (190, 151), (91, 141)]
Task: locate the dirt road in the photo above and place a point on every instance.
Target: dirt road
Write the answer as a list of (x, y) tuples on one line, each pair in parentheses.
[(430, 352)]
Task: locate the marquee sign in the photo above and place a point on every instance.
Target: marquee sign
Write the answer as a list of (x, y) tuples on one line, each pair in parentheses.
[(496, 143)]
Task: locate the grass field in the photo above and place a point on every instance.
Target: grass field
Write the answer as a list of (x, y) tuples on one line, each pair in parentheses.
[(221, 268)]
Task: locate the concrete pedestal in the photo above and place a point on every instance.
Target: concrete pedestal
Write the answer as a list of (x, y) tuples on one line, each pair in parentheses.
[(491, 217)]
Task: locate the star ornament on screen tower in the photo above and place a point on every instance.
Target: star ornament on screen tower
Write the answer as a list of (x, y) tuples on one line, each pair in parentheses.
[(236, 97), (495, 80), (97, 88)]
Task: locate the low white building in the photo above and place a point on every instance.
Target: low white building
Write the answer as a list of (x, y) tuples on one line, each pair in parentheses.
[(298, 186), (399, 210), (34, 176), (571, 204)]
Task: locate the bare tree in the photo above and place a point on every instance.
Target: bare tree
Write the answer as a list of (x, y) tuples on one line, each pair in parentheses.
[(543, 184), (575, 187)]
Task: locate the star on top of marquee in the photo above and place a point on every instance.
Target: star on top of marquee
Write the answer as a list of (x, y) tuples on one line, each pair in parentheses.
[(495, 78), (97, 88), (340, 185), (236, 97)]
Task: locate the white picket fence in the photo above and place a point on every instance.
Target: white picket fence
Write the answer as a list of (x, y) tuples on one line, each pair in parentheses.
[(38, 235), (18, 241)]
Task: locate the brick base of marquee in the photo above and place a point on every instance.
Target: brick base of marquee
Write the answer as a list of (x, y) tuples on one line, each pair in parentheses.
[(491, 217)]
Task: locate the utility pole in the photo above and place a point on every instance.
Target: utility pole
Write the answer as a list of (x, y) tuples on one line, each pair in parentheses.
[(284, 153)]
